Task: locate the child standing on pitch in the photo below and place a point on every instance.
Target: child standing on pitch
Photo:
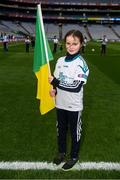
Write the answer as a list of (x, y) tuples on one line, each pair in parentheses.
[(70, 75)]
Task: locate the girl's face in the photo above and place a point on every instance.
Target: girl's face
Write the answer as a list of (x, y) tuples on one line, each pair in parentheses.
[(73, 44)]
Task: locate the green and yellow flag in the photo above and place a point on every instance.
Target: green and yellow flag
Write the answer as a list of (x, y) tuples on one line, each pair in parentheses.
[(42, 56)]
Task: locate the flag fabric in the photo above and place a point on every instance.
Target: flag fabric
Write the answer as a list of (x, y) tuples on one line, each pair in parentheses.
[(41, 66)]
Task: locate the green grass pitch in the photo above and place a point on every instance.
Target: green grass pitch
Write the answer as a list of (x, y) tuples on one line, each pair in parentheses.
[(25, 135)]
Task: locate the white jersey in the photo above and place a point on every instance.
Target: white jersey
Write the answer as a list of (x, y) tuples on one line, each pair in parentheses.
[(27, 41), (55, 41), (68, 72), (5, 39), (104, 41)]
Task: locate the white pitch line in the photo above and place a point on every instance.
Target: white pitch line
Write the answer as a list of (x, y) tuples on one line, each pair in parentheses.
[(19, 165)]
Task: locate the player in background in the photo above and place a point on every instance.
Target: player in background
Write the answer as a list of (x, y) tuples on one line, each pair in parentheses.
[(27, 44), (103, 45), (5, 42), (55, 43), (84, 44)]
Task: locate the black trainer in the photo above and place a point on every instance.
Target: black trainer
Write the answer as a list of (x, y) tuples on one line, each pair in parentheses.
[(60, 158), (69, 164)]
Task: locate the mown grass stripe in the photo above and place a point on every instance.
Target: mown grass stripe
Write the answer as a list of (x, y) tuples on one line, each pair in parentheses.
[(19, 165)]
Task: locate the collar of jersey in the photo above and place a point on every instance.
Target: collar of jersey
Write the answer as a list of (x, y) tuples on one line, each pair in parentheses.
[(72, 57)]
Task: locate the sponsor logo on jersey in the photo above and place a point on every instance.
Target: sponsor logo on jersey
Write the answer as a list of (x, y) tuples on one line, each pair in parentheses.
[(82, 76), (65, 66)]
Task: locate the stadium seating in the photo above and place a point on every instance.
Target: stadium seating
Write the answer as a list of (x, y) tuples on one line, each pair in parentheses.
[(51, 30), (30, 27), (13, 26), (97, 32), (89, 16), (67, 27), (117, 28)]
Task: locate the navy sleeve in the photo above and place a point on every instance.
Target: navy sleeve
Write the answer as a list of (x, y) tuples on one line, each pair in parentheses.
[(74, 87)]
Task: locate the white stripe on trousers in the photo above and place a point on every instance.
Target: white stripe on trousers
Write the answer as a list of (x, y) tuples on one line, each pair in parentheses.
[(79, 128)]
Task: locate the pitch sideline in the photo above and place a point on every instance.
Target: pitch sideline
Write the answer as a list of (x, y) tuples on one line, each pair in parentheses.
[(24, 165)]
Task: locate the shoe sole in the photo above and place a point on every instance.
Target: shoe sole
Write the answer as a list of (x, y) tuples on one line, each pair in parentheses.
[(67, 169), (70, 168)]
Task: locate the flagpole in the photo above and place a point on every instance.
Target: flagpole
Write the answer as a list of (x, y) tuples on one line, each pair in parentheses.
[(44, 39)]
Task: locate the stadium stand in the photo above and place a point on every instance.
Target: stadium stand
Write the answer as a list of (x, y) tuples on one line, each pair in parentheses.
[(93, 17), (51, 30), (14, 27), (97, 32), (117, 29), (74, 26), (3, 28)]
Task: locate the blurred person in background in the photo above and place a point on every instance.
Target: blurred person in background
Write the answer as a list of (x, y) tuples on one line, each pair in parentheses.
[(55, 43), (103, 45), (27, 44), (33, 42), (84, 44), (5, 42)]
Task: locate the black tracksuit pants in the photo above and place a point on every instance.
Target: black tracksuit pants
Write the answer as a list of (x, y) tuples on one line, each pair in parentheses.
[(103, 49), (72, 120)]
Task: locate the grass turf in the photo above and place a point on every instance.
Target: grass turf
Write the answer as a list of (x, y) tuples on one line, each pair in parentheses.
[(25, 135)]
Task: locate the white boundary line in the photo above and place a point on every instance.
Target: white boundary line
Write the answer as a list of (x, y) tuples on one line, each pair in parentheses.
[(19, 165)]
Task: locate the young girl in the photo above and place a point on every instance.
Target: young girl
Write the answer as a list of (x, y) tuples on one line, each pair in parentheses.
[(70, 75)]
